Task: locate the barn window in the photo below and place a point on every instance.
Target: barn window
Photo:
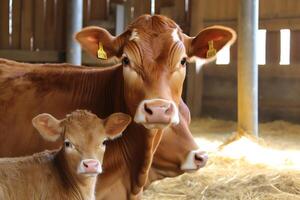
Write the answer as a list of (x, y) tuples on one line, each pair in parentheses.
[(261, 47), (10, 21), (223, 57), (285, 38), (152, 7)]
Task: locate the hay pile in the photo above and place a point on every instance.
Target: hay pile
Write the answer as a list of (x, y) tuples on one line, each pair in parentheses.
[(242, 170)]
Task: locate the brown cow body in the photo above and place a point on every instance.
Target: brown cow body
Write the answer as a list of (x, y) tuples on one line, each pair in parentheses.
[(29, 89), (147, 86)]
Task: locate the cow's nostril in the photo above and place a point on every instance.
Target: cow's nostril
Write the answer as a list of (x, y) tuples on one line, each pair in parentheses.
[(169, 109), (199, 158), (85, 165), (148, 110)]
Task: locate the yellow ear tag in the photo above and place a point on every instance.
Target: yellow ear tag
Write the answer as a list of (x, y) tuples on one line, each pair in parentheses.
[(101, 53), (211, 52)]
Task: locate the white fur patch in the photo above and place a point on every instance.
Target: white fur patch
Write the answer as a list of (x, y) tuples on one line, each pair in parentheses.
[(175, 35), (189, 163), (134, 35)]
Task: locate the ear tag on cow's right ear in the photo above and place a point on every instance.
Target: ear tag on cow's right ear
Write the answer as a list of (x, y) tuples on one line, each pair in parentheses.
[(101, 53), (211, 52)]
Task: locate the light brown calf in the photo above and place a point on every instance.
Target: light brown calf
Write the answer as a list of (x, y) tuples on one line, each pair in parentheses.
[(68, 173)]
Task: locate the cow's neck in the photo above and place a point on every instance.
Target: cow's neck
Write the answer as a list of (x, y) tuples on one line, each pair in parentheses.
[(130, 159), (100, 92)]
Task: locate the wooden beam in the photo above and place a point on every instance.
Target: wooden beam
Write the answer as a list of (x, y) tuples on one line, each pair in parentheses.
[(74, 24), (269, 24), (247, 68), (33, 56)]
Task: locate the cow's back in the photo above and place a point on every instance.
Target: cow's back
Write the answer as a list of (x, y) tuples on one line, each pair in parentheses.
[(30, 89)]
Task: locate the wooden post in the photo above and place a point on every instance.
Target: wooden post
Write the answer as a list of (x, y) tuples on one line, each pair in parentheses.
[(74, 24), (195, 74), (120, 23), (247, 67)]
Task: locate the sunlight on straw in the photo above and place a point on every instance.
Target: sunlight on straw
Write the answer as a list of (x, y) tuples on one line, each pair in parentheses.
[(254, 153)]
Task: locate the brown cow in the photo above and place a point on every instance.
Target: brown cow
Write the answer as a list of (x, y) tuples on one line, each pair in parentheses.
[(147, 85), (70, 172)]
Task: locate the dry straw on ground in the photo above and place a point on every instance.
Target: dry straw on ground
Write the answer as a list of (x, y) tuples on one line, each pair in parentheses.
[(242, 170)]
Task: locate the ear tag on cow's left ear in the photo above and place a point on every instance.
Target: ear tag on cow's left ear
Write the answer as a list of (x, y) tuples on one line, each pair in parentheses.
[(211, 52), (101, 53)]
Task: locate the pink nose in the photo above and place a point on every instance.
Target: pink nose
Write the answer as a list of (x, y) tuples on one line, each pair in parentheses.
[(200, 159), (90, 166), (158, 112)]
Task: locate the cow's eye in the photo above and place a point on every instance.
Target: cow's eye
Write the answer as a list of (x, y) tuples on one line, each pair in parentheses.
[(183, 61), (126, 61), (103, 144), (68, 144)]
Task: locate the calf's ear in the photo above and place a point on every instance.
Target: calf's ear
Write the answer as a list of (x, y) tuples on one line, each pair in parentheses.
[(93, 38), (48, 126), (209, 42), (115, 124)]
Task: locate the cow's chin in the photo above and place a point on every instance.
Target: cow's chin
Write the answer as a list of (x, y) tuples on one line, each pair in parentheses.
[(90, 174), (153, 126)]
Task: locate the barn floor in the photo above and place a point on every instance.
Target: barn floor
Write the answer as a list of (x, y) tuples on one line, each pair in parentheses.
[(242, 170)]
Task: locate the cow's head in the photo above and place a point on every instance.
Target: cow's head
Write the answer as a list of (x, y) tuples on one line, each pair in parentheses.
[(83, 135), (178, 151), (154, 52)]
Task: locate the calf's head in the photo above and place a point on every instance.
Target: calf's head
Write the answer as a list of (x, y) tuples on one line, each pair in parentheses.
[(154, 52), (83, 135)]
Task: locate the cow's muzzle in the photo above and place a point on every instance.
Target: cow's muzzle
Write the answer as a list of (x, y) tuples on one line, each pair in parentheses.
[(157, 113), (194, 161)]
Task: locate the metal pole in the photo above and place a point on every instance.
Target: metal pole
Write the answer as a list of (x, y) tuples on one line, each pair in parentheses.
[(74, 24), (247, 67)]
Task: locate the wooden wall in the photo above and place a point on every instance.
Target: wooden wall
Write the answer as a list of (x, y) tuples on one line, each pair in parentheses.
[(38, 35), (279, 91)]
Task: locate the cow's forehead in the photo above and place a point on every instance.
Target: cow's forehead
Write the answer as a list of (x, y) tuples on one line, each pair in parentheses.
[(84, 127), (154, 46)]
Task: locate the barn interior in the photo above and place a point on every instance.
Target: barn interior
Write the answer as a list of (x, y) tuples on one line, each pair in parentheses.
[(245, 106)]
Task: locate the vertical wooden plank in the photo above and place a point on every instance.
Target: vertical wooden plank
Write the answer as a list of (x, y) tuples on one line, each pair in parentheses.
[(27, 25), (272, 48), (233, 55), (39, 25), (180, 12), (50, 26), (147, 7), (86, 12), (295, 47), (99, 10), (194, 86), (16, 25), (4, 24), (60, 25), (142, 7)]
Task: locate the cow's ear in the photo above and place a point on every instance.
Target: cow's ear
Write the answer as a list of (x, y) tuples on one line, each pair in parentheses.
[(115, 124), (93, 38), (209, 42), (48, 126)]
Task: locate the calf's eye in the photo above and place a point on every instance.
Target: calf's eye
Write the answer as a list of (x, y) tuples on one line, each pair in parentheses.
[(68, 144)]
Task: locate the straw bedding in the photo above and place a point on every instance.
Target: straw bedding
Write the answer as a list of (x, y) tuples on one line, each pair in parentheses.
[(242, 170)]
